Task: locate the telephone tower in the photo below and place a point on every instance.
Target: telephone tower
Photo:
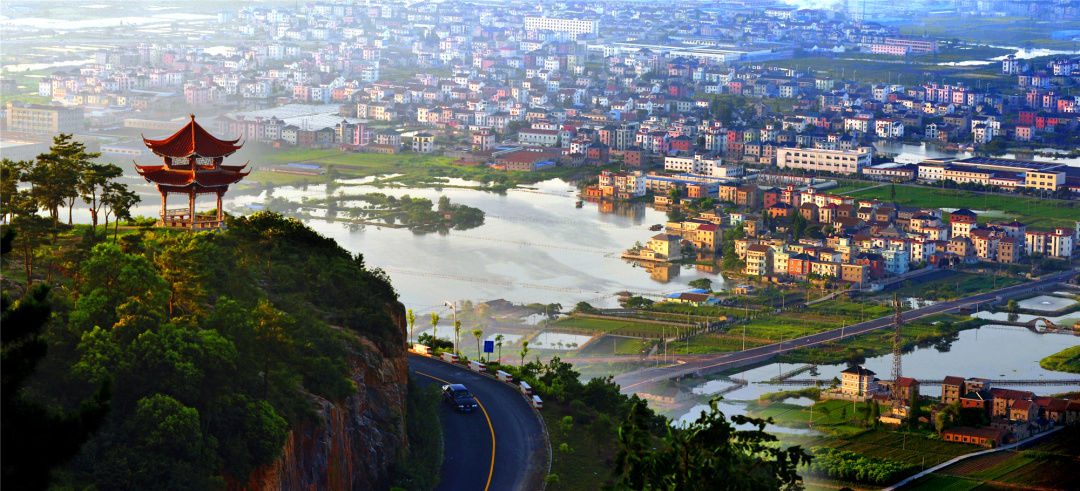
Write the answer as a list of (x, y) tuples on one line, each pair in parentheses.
[(897, 370)]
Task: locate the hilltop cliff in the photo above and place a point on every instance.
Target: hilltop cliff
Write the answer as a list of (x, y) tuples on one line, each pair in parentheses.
[(355, 441), (265, 356)]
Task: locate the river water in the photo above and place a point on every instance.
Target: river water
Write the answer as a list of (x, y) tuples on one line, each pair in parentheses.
[(909, 153), (534, 246)]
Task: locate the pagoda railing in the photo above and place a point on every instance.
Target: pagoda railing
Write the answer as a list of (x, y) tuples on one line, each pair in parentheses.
[(181, 218)]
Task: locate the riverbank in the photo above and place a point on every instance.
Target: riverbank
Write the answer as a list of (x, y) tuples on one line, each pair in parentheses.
[(1067, 360)]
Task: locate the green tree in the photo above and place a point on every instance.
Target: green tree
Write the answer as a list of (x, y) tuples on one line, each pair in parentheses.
[(434, 326), (32, 230), (457, 336), (705, 452), (118, 200), (35, 439), (477, 333), (584, 308), (57, 174), (272, 340), (499, 338), (410, 317), (524, 352), (913, 406), (798, 226), (11, 173), (95, 178), (702, 283)]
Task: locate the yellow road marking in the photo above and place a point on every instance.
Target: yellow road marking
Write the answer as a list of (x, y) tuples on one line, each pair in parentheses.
[(491, 469)]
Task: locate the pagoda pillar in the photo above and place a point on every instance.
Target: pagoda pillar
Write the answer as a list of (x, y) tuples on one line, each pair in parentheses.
[(191, 209), (220, 214), (164, 200)]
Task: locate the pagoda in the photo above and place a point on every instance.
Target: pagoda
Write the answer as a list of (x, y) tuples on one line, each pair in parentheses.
[(192, 165)]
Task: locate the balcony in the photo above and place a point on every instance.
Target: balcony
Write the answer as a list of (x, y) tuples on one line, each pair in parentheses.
[(182, 218)]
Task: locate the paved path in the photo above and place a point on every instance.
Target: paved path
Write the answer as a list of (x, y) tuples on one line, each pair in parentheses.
[(718, 362), (503, 446), (968, 456)]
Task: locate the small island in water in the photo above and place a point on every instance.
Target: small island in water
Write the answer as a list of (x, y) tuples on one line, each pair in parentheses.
[(416, 214)]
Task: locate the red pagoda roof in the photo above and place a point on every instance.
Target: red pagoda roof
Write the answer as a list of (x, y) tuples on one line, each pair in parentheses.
[(180, 178), (192, 139)]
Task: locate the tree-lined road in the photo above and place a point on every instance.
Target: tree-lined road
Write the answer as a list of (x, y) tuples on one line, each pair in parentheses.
[(499, 446), (630, 381)]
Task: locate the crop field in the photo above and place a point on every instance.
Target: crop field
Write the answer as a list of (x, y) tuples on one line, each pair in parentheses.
[(1048, 464), (1034, 212), (616, 345), (623, 327), (851, 309), (913, 448), (712, 343), (954, 286), (788, 325), (1013, 31)]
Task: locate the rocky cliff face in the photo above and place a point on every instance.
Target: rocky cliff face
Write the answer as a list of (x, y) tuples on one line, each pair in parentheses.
[(356, 441)]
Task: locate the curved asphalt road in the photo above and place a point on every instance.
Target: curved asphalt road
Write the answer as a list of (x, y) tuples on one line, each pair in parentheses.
[(715, 363), (506, 427)]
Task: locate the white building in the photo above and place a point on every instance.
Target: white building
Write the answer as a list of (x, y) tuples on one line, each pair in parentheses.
[(837, 161), (569, 26)]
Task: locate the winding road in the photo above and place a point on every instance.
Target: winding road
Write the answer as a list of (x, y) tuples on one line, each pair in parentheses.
[(714, 363), (501, 446)]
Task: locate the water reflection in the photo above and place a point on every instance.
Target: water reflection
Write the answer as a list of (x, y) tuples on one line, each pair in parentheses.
[(535, 246)]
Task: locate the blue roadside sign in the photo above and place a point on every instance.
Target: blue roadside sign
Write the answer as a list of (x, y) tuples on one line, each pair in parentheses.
[(489, 346)]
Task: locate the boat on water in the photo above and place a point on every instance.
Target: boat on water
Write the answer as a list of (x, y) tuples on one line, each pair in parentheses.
[(579, 204), (656, 227)]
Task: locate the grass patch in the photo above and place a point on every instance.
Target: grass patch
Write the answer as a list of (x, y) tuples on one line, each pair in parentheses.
[(1035, 212), (701, 344), (1067, 360), (617, 345), (954, 286), (622, 327)]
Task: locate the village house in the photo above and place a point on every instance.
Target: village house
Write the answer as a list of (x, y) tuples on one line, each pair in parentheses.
[(858, 381)]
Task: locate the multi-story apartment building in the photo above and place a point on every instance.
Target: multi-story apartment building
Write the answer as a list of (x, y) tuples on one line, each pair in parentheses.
[(837, 161), (558, 24), (38, 118), (544, 138), (622, 184), (1058, 243), (758, 260)]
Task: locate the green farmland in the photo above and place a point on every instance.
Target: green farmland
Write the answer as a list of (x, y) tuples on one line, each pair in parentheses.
[(1035, 212)]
